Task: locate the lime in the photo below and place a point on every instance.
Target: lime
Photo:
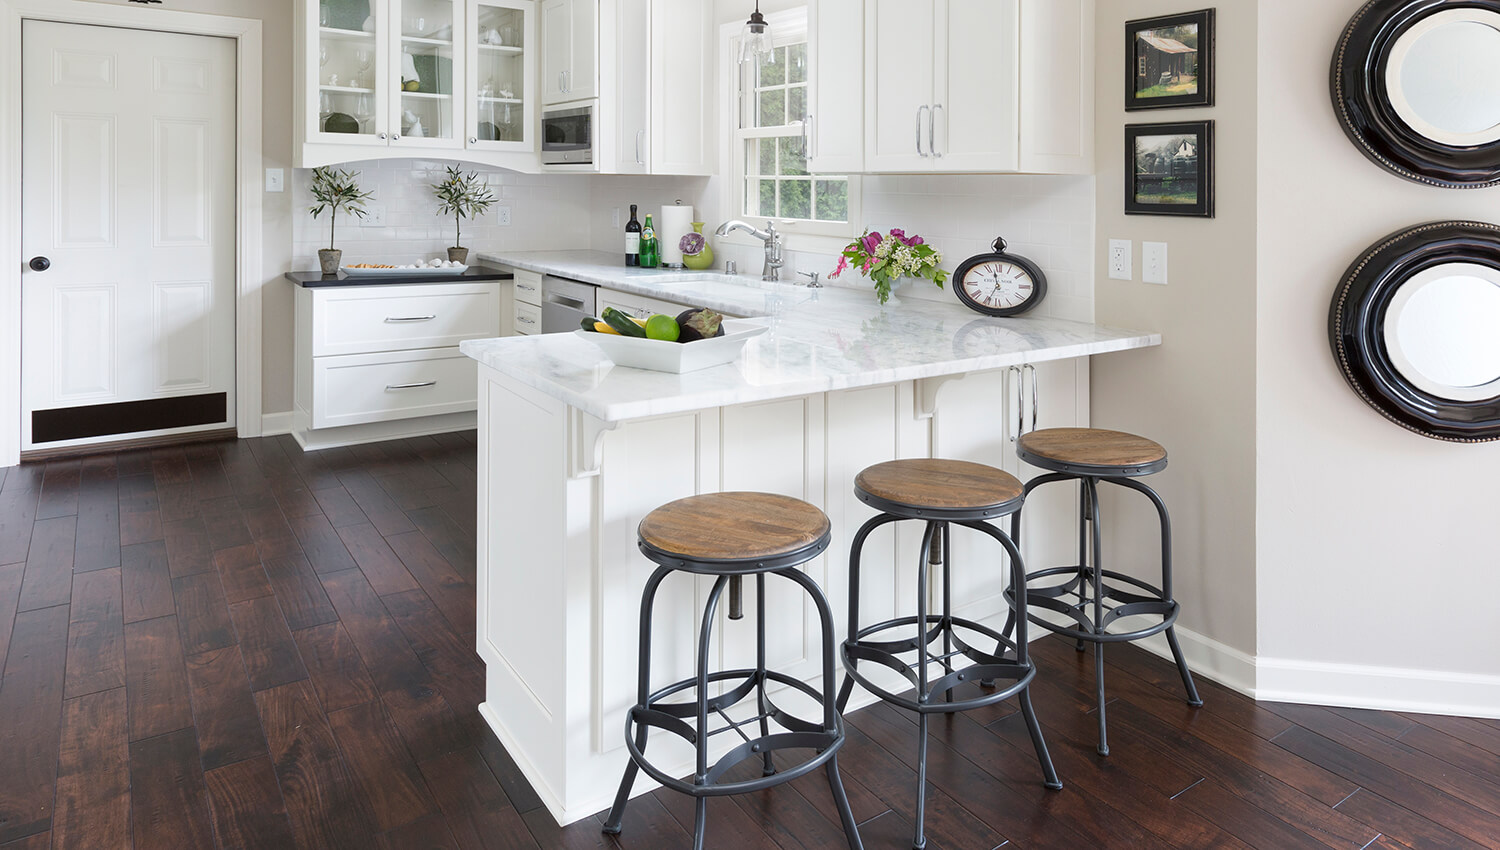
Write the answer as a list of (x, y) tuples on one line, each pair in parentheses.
[(662, 327)]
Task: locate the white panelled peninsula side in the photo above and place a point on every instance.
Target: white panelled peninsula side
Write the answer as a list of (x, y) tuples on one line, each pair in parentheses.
[(574, 452)]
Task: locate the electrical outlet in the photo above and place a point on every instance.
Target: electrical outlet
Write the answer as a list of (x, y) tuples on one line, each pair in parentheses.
[(1154, 262), (1119, 259), (374, 216), (275, 180), (502, 215), (615, 218)]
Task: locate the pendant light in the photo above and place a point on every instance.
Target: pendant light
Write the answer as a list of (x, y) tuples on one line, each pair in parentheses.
[(755, 39)]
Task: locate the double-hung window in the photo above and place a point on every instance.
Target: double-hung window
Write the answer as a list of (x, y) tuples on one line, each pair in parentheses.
[(771, 137)]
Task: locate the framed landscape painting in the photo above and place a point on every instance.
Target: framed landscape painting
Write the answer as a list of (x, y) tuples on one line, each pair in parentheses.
[(1169, 61), (1169, 169)]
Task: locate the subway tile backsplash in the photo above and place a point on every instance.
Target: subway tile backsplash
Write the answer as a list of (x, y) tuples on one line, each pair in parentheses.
[(1048, 218)]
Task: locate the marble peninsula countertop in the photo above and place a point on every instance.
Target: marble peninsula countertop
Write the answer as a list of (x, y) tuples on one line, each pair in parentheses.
[(819, 340)]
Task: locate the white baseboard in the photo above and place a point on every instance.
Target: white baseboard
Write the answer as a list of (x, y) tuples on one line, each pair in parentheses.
[(1380, 688), (1210, 659), (272, 424)]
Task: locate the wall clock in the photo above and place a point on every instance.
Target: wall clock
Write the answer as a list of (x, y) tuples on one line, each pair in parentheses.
[(1412, 326), (1416, 86), (999, 284)]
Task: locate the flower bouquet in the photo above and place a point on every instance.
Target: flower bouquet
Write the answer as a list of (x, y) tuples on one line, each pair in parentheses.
[(886, 259)]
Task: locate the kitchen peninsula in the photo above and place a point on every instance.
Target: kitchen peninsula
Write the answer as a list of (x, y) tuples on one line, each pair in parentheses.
[(574, 451)]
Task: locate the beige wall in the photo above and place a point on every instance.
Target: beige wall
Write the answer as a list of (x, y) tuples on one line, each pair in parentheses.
[(1364, 526), (1196, 392), (276, 148)]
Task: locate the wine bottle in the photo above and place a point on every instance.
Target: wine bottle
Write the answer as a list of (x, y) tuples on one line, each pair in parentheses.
[(650, 247), (632, 240)]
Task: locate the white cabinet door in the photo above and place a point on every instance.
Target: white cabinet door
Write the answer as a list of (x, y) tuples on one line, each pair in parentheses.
[(345, 74), (427, 73), (974, 110), (681, 87), (633, 137), (557, 49), (836, 105), (583, 72), (898, 84), (502, 57), (1057, 86)]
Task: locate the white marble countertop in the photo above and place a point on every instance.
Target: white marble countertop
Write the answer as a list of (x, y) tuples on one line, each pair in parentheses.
[(819, 340)]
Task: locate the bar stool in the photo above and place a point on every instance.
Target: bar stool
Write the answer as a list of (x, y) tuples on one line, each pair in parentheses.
[(941, 493), (1091, 456), (732, 535)]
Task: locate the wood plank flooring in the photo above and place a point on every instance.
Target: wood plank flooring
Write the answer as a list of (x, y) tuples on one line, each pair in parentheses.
[(238, 645)]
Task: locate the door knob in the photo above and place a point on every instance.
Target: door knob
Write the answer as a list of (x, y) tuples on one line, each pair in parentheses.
[(40, 264)]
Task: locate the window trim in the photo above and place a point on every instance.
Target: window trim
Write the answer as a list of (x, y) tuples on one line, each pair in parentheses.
[(787, 26)]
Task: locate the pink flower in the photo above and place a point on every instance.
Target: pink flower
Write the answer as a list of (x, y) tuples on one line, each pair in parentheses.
[(914, 241), (866, 266), (843, 264), (898, 233), (872, 241)]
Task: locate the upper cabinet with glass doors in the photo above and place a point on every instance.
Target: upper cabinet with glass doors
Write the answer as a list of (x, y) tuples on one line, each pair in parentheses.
[(398, 78)]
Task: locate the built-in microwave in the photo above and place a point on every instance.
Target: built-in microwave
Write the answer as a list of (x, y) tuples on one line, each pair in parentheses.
[(570, 134)]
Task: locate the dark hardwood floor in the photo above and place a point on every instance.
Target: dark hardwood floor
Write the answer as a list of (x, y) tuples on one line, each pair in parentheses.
[(238, 645)]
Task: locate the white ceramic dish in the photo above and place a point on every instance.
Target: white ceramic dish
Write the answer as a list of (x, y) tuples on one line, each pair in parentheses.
[(662, 356), (440, 270)]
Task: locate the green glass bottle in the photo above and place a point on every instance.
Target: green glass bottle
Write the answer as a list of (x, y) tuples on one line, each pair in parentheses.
[(650, 246)]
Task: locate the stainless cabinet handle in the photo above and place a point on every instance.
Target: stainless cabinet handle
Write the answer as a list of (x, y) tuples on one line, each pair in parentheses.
[(920, 110), (525, 321), (473, 140), (395, 137), (567, 81), (932, 132), (640, 144), (560, 82), (394, 319), (1014, 372), (381, 136), (412, 386), (812, 136), (1035, 399)]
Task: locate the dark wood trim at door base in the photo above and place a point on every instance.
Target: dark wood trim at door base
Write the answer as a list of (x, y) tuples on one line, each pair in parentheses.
[(128, 417), (38, 455)]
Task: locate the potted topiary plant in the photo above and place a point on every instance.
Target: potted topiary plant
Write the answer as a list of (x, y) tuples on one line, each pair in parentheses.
[(461, 195), (335, 190)]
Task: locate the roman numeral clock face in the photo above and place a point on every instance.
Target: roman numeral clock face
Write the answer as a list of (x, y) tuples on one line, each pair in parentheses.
[(1000, 284)]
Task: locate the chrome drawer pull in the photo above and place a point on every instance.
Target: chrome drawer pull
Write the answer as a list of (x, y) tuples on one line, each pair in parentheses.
[(410, 318), (526, 320), (417, 385)]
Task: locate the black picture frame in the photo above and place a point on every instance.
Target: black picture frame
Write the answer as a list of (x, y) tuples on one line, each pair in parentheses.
[(1169, 169), (1151, 57), (1357, 84), (1356, 321)]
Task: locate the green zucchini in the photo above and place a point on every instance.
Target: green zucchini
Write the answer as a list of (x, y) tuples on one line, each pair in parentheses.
[(622, 323), (588, 323)]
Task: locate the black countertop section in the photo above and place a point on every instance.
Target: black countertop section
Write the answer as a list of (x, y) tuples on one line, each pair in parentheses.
[(314, 280)]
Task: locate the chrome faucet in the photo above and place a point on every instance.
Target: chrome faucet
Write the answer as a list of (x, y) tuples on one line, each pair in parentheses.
[(772, 268)]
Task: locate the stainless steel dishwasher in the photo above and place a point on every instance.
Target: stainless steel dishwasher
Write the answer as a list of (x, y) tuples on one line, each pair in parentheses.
[(565, 304)]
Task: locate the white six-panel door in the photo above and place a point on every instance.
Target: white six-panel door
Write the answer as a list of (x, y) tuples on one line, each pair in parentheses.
[(129, 190)]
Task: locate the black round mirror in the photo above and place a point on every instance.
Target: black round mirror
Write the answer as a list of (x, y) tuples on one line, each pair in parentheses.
[(1416, 85), (1412, 327)]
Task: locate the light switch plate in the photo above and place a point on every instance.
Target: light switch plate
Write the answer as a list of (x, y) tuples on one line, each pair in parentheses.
[(374, 216), (275, 180), (1154, 262), (1119, 259), (502, 215)]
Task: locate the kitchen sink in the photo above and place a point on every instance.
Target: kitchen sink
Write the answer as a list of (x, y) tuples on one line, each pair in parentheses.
[(699, 277)]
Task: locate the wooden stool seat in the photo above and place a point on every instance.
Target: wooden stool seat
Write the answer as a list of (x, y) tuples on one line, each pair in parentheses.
[(1091, 450), (734, 527), (939, 485)]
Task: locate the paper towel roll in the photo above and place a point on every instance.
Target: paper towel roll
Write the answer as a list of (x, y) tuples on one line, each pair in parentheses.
[(676, 222)]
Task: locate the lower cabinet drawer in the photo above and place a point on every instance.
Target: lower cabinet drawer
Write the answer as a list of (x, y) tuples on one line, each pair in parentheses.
[(528, 319), (358, 388), (356, 320)]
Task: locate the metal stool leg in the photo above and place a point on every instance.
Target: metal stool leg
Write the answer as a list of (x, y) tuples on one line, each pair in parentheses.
[(1023, 656), (700, 822), (919, 841), (700, 773), (769, 767), (1092, 503), (856, 548), (1085, 521), (648, 601)]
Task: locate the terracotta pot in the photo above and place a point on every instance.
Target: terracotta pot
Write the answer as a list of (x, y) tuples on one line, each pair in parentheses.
[(330, 259), (458, 255)]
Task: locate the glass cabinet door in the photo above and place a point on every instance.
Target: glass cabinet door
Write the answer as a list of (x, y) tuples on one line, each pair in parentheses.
[(427, 61), (348, 97), (503, 57)]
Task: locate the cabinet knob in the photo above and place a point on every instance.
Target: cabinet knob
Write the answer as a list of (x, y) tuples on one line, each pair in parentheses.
[(395, 137), (40, 264), (381, 136), (473, 140)]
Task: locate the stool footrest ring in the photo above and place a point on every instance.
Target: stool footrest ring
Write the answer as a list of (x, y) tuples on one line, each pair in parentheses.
[(986, 666), (1148, 603)]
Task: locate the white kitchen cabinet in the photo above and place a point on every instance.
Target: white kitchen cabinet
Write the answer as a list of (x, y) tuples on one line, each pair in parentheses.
[(502, 70), (632, 101), (980, 86), (379, 362), (570, 50), (835, 112)]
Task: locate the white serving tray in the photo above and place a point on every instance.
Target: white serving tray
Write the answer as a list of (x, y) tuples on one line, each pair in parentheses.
[(441, 270), (662, 356)]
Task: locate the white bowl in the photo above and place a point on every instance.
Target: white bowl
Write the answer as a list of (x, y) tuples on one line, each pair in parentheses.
[(662, 356)]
